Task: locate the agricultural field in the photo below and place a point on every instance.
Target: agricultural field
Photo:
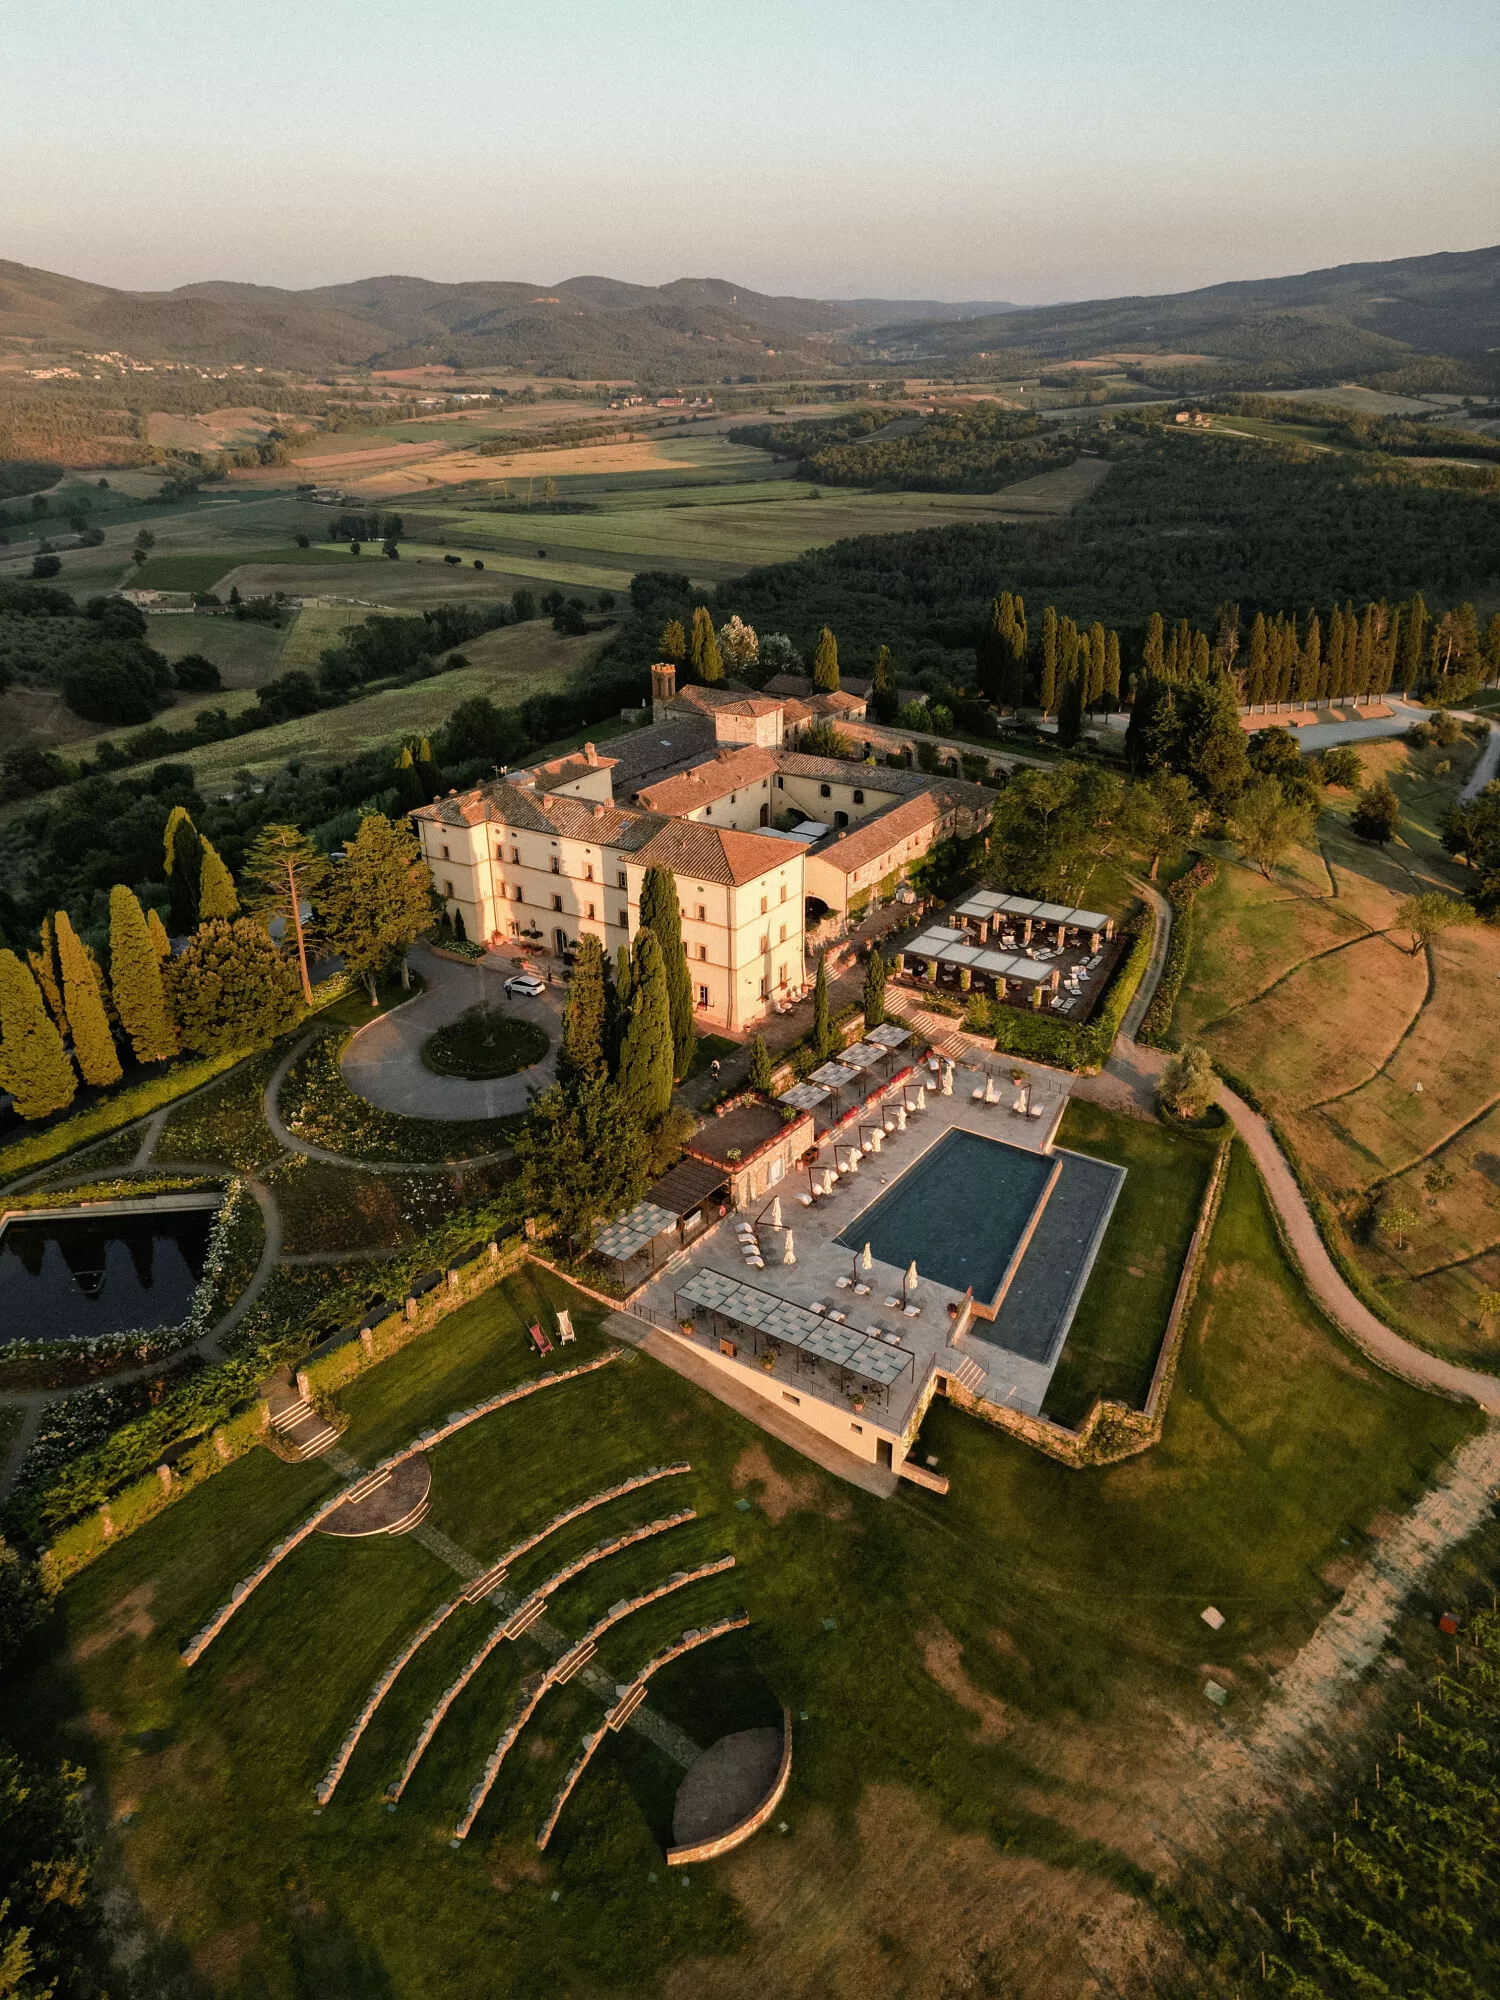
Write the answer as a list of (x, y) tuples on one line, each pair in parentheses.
[(1371, 1060), (507, 666), (1000, 1731)]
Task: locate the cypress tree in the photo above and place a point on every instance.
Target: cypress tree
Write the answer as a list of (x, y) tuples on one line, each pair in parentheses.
[(711, 666), (1095, 691), (93, 1044), (1310, 664), (34, 1065), (1286, 672), (703, 631), (1333, 673), (161, 944), (1067, 656), (1200, 658), (883, 697), (581, 1055), (645, 1079), (429, 777), (1048, 690), (1255, 672), (1112, 669), (43, 963), (1364, 659), (408, 784), (760, 1066), (1153, 655), (216, 893), (662, 913), (826, 663), (992, 649), (673, 641), (822, 1034), (182, 853), (135, 974), (1070, 715), (1413, 638), (874, 990)]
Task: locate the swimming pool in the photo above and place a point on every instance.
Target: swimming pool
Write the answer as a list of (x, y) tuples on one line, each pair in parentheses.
[(960, 1211), (67, 1277)]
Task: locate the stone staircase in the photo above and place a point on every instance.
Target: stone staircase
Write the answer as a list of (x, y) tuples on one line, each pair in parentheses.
[(969, 1376), (303, 1430)]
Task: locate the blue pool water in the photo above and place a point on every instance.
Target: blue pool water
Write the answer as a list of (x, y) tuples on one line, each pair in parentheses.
[(960, 1212)]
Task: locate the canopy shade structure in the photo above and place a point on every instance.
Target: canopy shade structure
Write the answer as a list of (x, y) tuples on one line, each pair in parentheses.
[(687, 1186), (621, 1240), (834, 1074), (781, 1319), (864, 1055), (888, 1035), (803, 1097)]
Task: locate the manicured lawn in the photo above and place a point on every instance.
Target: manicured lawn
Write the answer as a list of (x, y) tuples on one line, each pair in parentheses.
[(1117, 1331), (708, 1050), (485, 1042), (1074, 1598)]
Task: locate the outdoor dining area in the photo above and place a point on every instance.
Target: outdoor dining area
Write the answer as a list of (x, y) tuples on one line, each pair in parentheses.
[(1016, 921), (856, 1075), (946, 958), (832, 1347)]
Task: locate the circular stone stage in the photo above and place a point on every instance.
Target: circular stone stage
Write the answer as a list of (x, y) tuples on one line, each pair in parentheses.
[(725, 1786), (388, 1504)]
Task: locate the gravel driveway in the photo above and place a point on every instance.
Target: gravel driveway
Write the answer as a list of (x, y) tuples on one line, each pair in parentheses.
[(383, 1062)]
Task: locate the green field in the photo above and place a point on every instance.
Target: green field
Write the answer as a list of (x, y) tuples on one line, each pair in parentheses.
[(203, 571), (1117, 1332), (948, 1662)]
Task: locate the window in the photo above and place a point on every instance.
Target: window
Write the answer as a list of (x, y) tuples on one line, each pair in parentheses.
[(623, 882), (556, 865), (781, 977), (446, 855), (702, 913), (703, 952), (500, 853), (447, 888), (702, 996), (765, 904), (591, 913), (588, 873), (777, 1173), (765, 989), (859, 798), (825, 791), (520, 894), (624, 920), (515, 855), (782, 938), (783, 892), (557, 902), (788, 1397), (781, 784), (765, 940), (853, 1427)]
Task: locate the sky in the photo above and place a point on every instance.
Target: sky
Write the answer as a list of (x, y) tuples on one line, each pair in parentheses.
[(1009, 150)]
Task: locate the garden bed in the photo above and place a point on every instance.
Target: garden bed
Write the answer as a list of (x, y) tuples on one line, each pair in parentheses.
[(319, 1106), (484, 1042)]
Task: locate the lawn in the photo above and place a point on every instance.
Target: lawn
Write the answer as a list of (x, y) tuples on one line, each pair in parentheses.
[(996, 1681), (484, 1042), (1366, 1055), (1116, 1335)]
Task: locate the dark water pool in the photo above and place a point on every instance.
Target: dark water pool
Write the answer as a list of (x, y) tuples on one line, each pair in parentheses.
[(70, 1279)]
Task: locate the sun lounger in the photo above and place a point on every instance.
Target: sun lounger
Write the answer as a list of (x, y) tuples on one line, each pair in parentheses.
[(862, 1291), (539, 1340), (912, 1312), (843, 1283), (977, 1096), (1036, 1110), (565, 1331)]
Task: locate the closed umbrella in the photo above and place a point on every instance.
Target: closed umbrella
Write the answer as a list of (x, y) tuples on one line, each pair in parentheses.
[(776, 1213), (789, 1255), (911, 1276), (865, 1259)]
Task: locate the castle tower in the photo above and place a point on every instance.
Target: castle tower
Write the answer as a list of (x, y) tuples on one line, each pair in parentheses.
[(663, 688)]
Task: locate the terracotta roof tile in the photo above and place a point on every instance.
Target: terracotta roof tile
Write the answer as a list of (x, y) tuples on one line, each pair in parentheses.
[(878, 834), (713, 853), (701, 786)]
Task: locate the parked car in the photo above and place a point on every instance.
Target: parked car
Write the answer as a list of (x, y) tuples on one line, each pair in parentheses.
[(525, 986)]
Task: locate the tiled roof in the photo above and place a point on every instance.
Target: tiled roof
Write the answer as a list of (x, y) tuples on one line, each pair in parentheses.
[(588, 819), (660, 750), (712, 853), (872, 778), (788, 684), (506, 803), (567, 770), (877, 835), (704, 783), (837, 703)]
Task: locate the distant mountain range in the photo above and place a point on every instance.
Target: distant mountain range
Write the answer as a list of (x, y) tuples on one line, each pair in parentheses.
[(1352, 318)]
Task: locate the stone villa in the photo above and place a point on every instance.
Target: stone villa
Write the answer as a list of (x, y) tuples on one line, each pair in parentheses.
[(756, 833)]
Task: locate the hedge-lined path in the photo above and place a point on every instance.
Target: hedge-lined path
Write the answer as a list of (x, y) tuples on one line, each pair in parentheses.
[(1128, 1082), (383, 1060), (288, 1139)]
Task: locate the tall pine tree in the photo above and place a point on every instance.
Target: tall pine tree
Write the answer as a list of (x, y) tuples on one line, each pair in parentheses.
[(135, 976), (702, 633), (283, 870), (581, 1054), (34, 1065), (884, 701), (1112, 670), (673, 642), (93, 1044), (1256, 669), (161, 944), (1048, 691), (874, 989), (662, 913), (182, 856), (645, 1078), (43, 963), (216, 891)]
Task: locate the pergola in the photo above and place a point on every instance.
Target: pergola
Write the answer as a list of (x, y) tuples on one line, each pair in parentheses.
[(876, 1358), (642, 1227)]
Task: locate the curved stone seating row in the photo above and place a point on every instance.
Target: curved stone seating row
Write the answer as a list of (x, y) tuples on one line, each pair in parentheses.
[(513, 1623), (533, 1690), (328, 1785), (201, 1640), (626, 1706), (482, 1585), (737, 1835)]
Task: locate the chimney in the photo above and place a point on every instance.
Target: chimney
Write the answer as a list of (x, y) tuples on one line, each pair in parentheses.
[(663, 687), (590, 754)]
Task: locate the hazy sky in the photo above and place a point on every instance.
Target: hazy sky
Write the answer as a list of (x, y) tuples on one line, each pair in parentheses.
[(1019, 149)]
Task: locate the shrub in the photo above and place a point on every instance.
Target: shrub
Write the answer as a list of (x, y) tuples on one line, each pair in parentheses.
[(1181, 895)]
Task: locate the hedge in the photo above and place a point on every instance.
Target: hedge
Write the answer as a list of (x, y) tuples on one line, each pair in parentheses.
[(1181, 894), (1070, 1045)]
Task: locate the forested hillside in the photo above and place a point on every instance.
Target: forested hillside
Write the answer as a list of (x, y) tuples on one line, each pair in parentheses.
[(978, 450)]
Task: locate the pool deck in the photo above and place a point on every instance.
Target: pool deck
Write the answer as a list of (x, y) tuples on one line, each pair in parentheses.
[(1011, 1377)]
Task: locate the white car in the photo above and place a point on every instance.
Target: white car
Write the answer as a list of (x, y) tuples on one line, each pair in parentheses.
[(526, 986)]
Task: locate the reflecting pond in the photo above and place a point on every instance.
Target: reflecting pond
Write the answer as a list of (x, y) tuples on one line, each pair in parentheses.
[(70, 1278)]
